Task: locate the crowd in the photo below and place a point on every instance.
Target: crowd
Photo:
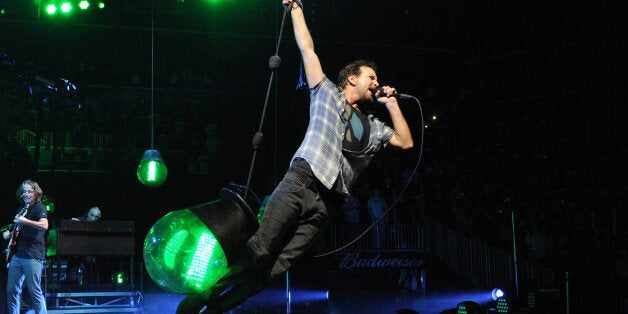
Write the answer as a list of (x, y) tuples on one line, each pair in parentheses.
[(555, 163), (480, 163)]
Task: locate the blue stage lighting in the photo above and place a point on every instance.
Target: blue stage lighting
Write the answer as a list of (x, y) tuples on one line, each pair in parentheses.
[(497, 293)]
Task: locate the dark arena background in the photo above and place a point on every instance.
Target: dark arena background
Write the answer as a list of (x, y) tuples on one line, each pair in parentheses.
[(523, 150)]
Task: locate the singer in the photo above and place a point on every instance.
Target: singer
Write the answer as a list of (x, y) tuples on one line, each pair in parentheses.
[(339, 143), (26, 251)]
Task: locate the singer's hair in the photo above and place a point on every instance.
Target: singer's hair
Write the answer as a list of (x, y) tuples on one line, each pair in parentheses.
[(36, 189), (353, 68)]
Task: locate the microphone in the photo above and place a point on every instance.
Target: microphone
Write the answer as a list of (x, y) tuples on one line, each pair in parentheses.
[(396, 95), (299, 3)]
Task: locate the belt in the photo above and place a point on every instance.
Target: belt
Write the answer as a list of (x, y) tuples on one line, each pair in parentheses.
[(299, 174)]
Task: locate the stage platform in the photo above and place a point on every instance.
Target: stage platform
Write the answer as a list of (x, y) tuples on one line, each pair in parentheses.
[(94, 302)]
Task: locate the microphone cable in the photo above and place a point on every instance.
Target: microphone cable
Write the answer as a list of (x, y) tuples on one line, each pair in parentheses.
[(401, 194)]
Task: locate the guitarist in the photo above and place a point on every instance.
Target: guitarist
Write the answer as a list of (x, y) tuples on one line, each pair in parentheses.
[(27, 249)]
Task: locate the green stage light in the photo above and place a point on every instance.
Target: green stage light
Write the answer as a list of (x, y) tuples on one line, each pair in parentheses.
[(51, 242), (152, 171), (502, 306), (187, 251), (51, 9), (182, 255), (101, 5), (119, 278), (84, 4), (48, 204), (66, 7)]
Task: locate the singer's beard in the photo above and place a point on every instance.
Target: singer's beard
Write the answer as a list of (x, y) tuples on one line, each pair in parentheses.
[(367, 100), (366, 104)]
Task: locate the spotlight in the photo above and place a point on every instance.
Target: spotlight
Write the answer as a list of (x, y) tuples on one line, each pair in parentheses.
[(84, 4), (66, 7), (497, 293), (187, 251), (51, 9)]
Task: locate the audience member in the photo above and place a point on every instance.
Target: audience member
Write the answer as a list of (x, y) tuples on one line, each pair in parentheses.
[(351, 210)]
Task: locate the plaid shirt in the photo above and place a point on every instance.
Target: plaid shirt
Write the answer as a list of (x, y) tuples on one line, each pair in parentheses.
[(322, 145)]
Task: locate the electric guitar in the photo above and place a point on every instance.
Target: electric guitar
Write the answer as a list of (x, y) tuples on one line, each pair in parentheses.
[(15, 234)]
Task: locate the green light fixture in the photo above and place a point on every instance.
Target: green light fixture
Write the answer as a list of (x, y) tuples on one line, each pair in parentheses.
[(51, 242), (182, 255), (187, 251), (84, 4), (152, 171), (66, 7), (51, 9), (48, 204), (119, 278)]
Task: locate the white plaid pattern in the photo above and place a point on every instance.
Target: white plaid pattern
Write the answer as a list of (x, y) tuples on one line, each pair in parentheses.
[(322, 145)]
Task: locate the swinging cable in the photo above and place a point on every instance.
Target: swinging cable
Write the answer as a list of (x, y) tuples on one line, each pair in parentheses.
[(273, 63)]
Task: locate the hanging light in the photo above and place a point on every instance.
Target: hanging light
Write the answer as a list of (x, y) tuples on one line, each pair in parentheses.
[(152, 171)]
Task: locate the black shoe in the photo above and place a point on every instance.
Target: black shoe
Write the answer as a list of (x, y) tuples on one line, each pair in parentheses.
[(199, 303)]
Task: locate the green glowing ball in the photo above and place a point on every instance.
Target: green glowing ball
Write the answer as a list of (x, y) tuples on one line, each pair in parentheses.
[(182, 255), (84, 4), (51, 9), (152, 171)]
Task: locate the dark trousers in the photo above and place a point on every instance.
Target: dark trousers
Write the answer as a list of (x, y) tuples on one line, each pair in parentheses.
[(296, 214)]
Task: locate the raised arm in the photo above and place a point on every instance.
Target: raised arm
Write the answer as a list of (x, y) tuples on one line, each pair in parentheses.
[(311, 63)]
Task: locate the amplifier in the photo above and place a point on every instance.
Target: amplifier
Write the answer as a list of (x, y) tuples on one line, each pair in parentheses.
[(96, 237)]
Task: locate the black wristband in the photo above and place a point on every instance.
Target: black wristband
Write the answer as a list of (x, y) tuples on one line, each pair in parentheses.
[(298, 2)]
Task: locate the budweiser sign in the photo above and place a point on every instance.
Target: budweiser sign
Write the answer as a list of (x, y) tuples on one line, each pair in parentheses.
[(353, 260)]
